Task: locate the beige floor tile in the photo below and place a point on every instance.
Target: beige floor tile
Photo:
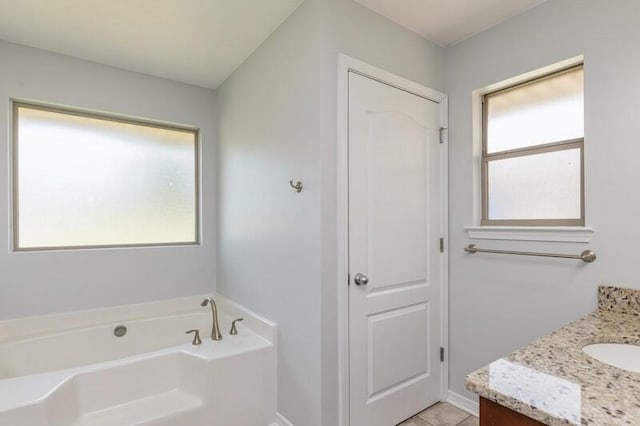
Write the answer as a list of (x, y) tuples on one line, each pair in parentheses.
[(443, 414), (414, 421), (470, 421)]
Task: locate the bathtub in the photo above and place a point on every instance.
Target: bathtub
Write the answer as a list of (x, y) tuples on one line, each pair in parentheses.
[(71, 370)]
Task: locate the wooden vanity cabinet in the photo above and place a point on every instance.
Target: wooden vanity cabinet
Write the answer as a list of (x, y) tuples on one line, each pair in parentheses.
[(492, 414)]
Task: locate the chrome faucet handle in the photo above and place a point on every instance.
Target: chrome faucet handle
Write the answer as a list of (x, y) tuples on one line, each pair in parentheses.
[(234, 330), (196, 336)]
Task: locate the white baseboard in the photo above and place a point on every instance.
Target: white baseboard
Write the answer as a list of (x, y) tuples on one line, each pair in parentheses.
[(462, 402), (280, 420)]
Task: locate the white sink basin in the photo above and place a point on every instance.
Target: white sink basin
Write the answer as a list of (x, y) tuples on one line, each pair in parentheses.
[(619, 355)]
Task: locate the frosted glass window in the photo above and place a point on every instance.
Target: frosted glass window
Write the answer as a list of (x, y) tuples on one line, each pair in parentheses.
[(84, 180), (532, 153), (541, 186), (541, 112)]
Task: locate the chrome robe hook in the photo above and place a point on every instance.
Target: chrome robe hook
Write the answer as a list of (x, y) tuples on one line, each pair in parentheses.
[(297, 186)]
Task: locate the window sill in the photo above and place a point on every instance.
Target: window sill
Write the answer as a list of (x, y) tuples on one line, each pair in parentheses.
[(566, 234)]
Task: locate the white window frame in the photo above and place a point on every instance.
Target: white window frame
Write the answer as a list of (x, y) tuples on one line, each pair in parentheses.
[(516, 231), (17, 103)]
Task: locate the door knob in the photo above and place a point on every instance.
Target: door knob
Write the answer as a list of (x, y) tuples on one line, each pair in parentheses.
[(361, 279)]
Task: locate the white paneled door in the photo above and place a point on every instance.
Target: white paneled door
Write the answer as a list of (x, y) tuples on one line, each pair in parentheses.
[(395, 263)]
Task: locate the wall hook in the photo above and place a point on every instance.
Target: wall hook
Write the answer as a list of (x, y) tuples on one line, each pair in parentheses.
[(298, 186)]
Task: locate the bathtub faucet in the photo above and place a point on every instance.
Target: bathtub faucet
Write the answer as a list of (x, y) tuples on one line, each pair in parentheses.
[(215, 329)]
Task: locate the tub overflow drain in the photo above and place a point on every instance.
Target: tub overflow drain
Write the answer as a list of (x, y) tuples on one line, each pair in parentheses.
[(120, 331)]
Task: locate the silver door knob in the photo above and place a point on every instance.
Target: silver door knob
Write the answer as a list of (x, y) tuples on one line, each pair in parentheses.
[(361, 279)]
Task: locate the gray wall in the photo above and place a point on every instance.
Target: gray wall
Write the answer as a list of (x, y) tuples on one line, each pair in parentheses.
[(269, 236), (500, 303), (277, 121), (34, 283)]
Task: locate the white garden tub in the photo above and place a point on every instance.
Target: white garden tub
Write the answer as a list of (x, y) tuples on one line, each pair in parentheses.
[(81, 374)]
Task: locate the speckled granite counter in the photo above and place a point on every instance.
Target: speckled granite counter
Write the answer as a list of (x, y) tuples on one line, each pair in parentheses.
[(551, 380)]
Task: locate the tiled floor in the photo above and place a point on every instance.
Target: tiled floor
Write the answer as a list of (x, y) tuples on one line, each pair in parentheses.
[(442, 414)]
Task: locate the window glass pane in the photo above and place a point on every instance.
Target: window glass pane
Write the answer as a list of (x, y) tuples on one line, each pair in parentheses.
[(545, 111), (86, 181), (540, 186)]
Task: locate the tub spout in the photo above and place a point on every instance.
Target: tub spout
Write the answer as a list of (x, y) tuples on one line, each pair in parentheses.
[(215, 329)]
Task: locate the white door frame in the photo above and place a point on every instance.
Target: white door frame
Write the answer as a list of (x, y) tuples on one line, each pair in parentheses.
[(346, 64)]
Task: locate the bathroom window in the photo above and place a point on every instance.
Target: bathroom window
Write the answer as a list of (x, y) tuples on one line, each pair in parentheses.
[(90, 180), (532, 152)]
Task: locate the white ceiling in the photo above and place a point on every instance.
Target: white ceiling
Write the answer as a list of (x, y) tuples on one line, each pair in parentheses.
[(194, 41), (447, 22), (202, 42)]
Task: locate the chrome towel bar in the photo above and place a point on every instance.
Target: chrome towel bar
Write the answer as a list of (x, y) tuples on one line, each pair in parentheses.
[(587, 256)]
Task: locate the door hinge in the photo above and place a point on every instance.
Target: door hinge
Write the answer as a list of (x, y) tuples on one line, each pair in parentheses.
[(441, 354), (441, 245), (442, 132)]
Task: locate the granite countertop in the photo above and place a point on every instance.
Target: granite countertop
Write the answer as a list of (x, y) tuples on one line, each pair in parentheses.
[(553, 381)]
